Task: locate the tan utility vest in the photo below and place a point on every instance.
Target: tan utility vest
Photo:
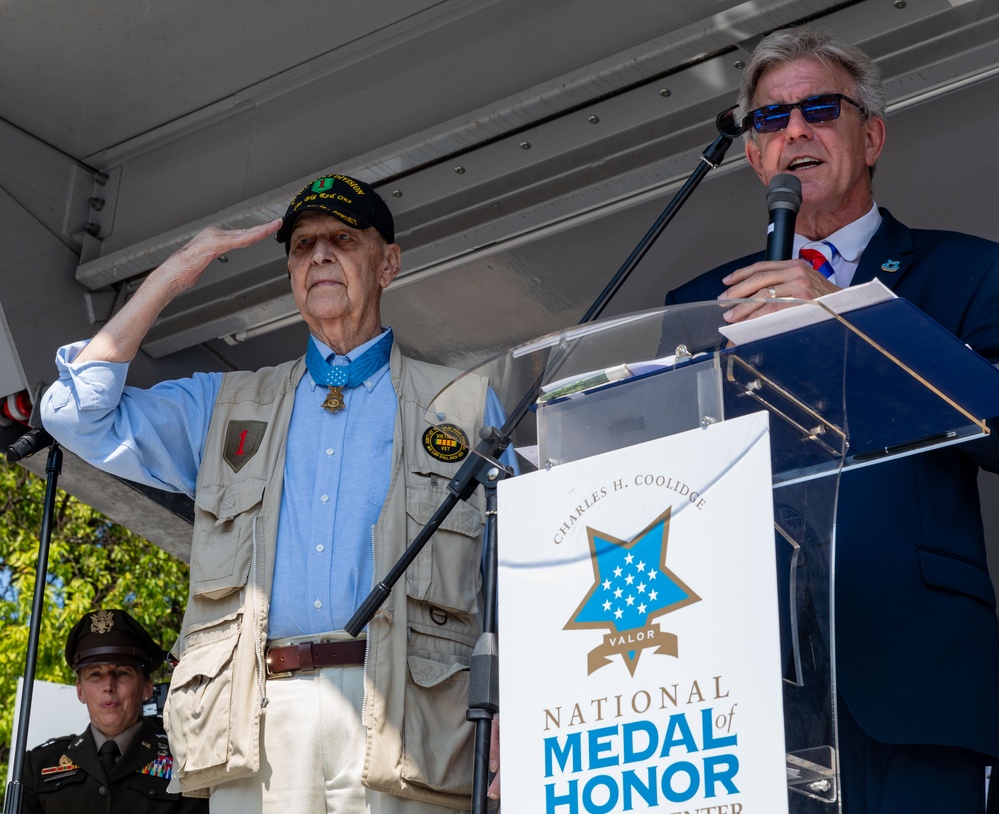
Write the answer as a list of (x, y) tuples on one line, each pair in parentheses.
[(419, 744)]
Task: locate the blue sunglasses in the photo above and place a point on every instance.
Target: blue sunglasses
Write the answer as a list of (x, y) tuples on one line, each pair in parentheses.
[(814, 109)]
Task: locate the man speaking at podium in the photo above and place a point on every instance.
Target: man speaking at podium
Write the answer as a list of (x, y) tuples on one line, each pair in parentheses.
[(917, 643)]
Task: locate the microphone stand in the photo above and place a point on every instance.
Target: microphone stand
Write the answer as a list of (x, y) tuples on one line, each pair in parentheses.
[(483, 467), (24, 447)]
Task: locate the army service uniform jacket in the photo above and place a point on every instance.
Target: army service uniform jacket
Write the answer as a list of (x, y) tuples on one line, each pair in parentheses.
[(65, 776)]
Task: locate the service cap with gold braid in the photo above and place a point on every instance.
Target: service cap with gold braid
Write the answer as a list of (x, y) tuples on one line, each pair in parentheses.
[(112, 637)]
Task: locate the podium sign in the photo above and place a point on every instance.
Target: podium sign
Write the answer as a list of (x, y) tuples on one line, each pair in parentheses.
[(606, 713), (638, 630)]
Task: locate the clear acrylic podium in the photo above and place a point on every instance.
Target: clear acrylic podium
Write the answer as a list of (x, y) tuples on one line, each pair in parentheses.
[(842, 390)]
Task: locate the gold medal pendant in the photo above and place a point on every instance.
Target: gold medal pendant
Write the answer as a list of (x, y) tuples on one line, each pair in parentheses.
[(334, 399)]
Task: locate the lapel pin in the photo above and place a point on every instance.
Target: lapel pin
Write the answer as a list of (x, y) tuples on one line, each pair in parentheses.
[(891, 266)]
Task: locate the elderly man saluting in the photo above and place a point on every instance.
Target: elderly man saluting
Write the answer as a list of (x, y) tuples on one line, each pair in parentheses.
[(309, 479), (915, 608)]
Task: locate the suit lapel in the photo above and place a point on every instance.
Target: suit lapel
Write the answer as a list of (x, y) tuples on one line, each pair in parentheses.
[(889, 255)]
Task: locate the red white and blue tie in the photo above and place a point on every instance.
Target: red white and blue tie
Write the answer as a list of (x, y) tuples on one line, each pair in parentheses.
[(820, 256)]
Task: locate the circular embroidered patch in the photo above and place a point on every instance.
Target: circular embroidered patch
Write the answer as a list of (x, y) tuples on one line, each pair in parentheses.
[(446, 442)]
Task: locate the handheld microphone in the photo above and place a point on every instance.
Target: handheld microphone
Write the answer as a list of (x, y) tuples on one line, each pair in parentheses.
[(783, 203)]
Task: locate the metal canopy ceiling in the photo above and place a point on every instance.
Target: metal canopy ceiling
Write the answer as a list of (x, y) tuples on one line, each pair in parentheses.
[(524, 147)]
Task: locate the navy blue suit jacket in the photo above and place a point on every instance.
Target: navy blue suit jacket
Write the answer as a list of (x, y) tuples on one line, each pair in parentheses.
[(917, 641)]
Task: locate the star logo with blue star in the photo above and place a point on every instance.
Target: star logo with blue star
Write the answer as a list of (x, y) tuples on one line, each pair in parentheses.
[(632, 587)]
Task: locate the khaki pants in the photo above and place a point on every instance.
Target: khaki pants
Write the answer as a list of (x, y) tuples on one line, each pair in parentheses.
[(313, 753)]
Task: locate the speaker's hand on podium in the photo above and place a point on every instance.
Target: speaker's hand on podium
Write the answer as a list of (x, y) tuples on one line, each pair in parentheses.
[(772, 279)]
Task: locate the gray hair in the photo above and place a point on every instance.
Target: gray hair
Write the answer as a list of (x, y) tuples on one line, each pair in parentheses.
[(802, 42)]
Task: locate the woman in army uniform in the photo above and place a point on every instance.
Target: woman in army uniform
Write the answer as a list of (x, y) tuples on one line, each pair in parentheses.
[(122, 761)]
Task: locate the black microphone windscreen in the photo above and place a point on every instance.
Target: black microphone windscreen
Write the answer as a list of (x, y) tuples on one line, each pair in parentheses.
[(784, 192), (728, 124), (28, 444)]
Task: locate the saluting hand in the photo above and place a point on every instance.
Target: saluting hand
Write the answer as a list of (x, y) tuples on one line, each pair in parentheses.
[(121, 338), (184, 268)]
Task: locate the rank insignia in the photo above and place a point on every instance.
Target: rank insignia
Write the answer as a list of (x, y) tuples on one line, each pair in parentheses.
[(891, 266), (446, 442)]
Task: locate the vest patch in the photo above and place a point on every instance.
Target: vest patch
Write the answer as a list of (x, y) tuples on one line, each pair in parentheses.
[(446, 442), (242, 442)]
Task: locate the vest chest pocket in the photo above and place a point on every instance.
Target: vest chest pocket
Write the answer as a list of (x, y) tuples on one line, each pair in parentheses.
[(447, 573), (222, 549)]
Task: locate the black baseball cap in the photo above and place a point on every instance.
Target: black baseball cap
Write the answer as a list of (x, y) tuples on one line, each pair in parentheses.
[(351, 201), (112, 637)]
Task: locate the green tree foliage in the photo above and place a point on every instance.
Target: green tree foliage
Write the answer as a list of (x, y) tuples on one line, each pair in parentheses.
[(93, 563)]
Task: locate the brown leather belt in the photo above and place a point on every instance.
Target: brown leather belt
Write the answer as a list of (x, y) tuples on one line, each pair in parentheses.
[(311, 655)]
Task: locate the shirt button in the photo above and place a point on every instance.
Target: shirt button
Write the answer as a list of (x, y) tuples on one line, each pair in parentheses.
[(329, 451), (325, 498), (318, 604), (320, 547)]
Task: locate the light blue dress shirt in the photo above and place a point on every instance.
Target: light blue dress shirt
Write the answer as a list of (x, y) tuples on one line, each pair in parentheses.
[(331, 498)]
